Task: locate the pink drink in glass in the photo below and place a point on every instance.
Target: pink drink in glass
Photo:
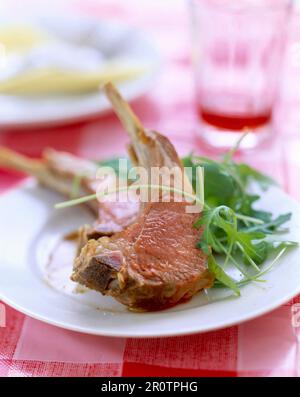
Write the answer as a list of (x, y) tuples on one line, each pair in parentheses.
[(238, 51)]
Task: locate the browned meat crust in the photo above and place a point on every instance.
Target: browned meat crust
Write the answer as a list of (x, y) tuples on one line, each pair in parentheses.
[(151, 265)]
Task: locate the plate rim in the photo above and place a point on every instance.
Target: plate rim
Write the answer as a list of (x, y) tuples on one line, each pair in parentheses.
[(87, 331)]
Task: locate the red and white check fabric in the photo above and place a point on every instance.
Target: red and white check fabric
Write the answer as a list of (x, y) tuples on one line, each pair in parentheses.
[(267, 346)]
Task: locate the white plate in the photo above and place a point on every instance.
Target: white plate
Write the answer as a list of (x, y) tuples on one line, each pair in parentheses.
[(29, 230), (114, 40)]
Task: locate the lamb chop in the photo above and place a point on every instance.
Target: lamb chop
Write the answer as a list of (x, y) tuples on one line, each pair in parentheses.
[(153, 263), (57, 171)]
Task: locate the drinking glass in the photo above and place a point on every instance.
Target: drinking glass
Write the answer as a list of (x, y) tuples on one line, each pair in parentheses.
[(238, 46)]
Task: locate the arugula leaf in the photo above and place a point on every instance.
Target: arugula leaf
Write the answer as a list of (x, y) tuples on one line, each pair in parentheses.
[(208, 239), (275, 246), (249, 248), (248, 173), (223, 234), (221, 276), (271, 226), (215, 181), (219, 185)]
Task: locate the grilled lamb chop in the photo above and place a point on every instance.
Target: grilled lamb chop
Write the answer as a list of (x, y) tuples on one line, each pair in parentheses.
[(57, 170), (153, 263)]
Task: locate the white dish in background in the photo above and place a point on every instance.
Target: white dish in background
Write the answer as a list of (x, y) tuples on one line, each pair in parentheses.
[(30, 228), (114, 40)]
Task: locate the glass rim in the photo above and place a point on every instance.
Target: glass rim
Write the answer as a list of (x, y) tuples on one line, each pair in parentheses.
[(284, 5)]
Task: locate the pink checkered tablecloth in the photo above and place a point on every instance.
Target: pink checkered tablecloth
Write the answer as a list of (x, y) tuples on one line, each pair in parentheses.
[(267, 346)]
